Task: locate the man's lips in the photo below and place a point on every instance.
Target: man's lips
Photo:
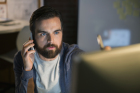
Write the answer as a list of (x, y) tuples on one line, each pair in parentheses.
[(50, 48)]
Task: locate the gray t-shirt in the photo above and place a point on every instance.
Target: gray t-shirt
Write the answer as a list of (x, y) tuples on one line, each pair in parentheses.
[(47, 75)]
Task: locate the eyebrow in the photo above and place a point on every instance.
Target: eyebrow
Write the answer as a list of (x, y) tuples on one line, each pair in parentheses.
[(58, 30), (39, 31)]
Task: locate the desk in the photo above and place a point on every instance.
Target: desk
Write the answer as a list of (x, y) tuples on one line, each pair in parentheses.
[(19, 24), (8, 35)]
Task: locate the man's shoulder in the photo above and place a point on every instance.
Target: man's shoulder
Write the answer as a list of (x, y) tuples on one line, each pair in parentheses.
[(68, 47), (18, 58), (18, 54), (73, 48)]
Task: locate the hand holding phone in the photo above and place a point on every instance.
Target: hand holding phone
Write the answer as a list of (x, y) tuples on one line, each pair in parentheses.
[(27, 54)]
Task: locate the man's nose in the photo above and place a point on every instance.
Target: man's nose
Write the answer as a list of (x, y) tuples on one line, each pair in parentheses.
[(50, 38)]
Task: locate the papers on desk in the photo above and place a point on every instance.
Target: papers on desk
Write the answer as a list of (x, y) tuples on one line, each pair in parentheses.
[(9, 23), (12, 26), (2, 20)]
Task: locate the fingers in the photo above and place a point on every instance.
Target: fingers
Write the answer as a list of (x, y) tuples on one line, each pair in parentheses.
[(26, 46), (28, 42), (30, 52)]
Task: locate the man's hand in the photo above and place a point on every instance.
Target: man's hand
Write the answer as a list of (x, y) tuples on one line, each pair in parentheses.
[(28, 56)]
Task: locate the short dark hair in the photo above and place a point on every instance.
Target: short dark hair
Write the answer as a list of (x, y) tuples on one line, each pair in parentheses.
[(41, 13)]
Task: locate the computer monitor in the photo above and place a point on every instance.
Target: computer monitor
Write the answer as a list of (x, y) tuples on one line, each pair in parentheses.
[(115, 71)]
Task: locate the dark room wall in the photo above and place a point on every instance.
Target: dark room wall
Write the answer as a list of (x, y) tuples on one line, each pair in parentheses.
[(69, 11)]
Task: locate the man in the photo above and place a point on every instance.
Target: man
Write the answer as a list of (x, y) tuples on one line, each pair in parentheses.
[(50, 63)]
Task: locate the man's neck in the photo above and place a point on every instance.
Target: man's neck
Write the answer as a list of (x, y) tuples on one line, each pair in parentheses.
[(46, 59)]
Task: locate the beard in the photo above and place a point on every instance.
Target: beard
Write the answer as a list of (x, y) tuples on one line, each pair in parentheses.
[(48, 53)]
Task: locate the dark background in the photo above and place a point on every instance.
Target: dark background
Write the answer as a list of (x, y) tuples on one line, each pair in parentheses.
[(69, 11)]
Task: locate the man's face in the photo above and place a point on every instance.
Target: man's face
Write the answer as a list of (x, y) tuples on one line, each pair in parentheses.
[(48, 37)]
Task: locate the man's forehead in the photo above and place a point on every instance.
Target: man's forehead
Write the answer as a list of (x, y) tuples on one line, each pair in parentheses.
[(47, 23)]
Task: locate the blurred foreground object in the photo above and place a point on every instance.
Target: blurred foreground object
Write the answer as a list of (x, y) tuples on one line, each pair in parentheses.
[(100, 42), (107, 48), (114, 71)]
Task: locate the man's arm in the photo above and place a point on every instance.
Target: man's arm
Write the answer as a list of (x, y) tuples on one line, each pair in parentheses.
[(21, 76)]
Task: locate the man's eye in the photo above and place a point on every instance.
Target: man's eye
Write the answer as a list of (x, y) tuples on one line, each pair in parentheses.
[(43, 34), (56, 32)]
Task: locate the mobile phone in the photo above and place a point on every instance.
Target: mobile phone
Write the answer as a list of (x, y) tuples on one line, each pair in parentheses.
[(32, 48), (100, 42)]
